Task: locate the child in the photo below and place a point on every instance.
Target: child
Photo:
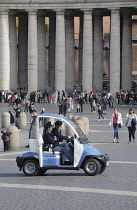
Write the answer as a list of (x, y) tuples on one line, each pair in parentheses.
[(5, 138)]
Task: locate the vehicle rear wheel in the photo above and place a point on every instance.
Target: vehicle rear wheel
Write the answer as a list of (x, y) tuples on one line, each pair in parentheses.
[(41, 172), (30, 168), (92, 167)]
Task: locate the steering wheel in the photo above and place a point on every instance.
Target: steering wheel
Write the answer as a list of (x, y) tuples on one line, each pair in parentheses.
[(71, 139)]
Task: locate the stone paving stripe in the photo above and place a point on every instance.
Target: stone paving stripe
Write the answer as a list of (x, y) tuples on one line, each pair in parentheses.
[(70, 189), (12, 153), (107, 131), (8, 159), (121, 162)]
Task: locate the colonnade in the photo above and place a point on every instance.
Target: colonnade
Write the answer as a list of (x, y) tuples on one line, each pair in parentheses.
[(26, 62)]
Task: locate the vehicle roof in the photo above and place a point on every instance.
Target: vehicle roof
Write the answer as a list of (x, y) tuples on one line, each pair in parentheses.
[(50, 115)]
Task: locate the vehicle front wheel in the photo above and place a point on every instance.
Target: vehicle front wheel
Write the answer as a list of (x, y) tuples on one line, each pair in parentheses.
[(102, 169), (92, 167), (30, 168)]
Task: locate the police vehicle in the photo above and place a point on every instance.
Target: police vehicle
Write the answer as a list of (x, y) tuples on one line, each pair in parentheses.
[(37, 161)]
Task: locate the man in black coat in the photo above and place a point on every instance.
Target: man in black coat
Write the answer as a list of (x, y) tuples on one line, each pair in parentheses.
[(81, 103)]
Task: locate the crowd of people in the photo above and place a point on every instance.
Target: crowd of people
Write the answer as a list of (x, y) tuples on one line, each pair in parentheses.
[(21, 96), (99, 102)]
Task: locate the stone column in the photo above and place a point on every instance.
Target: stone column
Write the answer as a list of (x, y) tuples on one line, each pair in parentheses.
[(70, 52), (80, 50), (32, 51), (41, 53), (115, 51), (52, 35), (4, 51), (127, 51), (13, 51), (60, 51), (23, 51), (87, 51), (98, 52)]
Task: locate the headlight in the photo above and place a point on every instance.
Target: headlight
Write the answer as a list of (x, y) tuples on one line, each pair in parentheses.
[(101, 156)]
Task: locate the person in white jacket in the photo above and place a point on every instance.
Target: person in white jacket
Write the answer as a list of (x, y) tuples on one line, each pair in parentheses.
[(116, 120)]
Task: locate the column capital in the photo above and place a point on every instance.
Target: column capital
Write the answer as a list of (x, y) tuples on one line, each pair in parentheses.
[(60, 11), (32, 11), (87, 11), (4, 12), (115, 10)]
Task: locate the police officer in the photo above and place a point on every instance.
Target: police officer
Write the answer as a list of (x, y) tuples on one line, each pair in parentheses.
[(57, 132), (48, 137), (68, 147)]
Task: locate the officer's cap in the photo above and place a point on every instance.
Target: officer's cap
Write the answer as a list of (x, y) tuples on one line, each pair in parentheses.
[(47, 125), (58, 123)]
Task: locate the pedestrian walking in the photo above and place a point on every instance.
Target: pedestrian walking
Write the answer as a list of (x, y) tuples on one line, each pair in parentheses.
[(12, 118), (70, 101), (26, 108), (93, 107), (116, 120), (81, 103), (18, 111), (60, 106), (65, 107), (131, 124), (100, 110)]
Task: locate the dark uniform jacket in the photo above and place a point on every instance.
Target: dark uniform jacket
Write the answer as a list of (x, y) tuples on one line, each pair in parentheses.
[(49, 138), (58, 134)]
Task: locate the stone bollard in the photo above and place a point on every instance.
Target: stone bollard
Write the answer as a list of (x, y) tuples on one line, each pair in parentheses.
[(70, 117), (69, 131), (75, 117), (63, 127), (80, 123), (5, 120), (22, 120), (51, 119), (14, 138), (86, 124)]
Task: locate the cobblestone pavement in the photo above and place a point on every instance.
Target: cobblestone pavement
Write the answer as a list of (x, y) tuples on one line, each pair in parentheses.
[(115, 189)]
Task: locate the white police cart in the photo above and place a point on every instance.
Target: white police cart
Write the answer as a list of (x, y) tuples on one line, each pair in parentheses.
[(37, 161)]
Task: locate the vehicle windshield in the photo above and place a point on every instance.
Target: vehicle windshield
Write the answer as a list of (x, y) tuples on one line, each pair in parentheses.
[(82, 137)]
